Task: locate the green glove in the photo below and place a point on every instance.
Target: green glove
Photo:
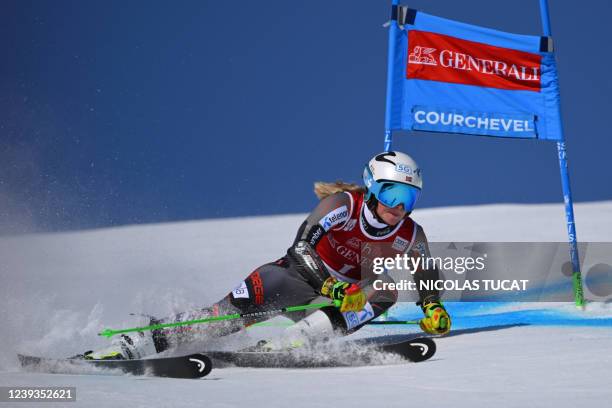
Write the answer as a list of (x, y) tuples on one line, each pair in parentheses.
[(349, 295), (436, 320)]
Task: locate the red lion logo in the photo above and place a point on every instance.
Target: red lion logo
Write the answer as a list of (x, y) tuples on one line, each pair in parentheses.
[(422, 55)]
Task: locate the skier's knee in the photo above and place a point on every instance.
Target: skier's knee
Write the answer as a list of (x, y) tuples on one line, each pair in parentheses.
[(337, 319)]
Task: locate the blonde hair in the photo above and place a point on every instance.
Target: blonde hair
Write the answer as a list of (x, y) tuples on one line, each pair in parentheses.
[(323, 189)]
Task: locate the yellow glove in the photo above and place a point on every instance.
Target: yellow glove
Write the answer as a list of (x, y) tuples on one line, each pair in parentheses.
[(436, 320), (349, 295)]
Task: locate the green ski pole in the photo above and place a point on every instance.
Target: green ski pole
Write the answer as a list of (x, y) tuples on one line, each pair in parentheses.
[(371, 322), (111, 332), (394, 322)]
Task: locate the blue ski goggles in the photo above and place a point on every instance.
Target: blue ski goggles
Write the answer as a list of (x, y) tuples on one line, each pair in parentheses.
[(394, 194)]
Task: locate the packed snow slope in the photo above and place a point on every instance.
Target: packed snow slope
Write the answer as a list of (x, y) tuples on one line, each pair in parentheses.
[(58, 290)]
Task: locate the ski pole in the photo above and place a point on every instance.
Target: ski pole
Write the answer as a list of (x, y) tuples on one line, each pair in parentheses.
[(111, 332), (394, 322), (373, 322)]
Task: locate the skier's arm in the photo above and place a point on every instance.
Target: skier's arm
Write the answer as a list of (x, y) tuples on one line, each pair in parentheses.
[(331, 212), (335, 208), (436, 320), (420, 248)]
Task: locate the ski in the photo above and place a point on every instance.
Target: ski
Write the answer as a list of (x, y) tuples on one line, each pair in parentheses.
[(189, 366), (349, 353), (370, 351)]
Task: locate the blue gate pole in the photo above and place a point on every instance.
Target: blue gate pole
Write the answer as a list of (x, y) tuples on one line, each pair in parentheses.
[(567, 192), (390, 64)]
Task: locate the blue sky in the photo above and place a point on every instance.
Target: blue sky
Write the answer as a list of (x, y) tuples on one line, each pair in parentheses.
[(117, 112)]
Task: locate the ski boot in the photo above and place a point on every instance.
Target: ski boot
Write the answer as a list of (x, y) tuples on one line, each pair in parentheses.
[(125, 347)]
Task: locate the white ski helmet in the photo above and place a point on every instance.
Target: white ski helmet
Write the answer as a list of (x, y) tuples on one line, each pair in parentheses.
[(394, 178)]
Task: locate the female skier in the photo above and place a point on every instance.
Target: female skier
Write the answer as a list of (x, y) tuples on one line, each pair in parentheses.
[(332, 256)]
